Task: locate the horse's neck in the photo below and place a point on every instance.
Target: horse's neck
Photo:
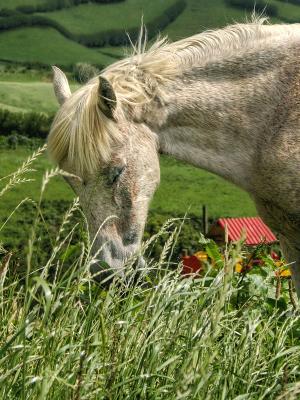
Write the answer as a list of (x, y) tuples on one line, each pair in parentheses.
[(218, 111), (205, 129), (217, 122)]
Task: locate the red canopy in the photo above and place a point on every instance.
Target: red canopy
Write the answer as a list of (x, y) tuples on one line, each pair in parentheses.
[(256, 230)]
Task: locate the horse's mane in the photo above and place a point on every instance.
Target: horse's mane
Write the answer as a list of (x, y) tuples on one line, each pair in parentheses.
[(84, 136), (139, 77)]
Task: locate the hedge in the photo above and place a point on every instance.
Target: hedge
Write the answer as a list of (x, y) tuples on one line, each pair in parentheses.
[(31, 124), (114, 37), (258, 5), (50, 5), (16, 140), (297, 2)]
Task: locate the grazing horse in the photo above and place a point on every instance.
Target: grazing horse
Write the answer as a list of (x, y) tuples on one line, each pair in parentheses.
[(226, 100)]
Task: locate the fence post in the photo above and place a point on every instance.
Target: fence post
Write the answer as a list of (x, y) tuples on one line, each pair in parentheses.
[(205, 219)]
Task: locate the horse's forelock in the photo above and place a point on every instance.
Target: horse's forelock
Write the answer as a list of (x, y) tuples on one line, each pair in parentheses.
[(81, 134)]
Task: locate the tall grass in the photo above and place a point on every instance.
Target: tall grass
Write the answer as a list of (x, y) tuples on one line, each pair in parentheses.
[(150, 335)]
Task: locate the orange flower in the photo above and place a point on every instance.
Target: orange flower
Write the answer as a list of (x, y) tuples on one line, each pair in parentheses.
[(201, 255), (239, 267), (283, 272)]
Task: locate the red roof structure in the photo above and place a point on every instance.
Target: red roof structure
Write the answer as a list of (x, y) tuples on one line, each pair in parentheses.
[(255, 229)]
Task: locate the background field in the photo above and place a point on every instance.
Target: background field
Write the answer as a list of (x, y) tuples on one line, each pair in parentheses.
[(46, 46), (91, 18)]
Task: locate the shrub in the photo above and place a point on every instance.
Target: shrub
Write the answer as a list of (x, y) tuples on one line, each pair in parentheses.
[(27, 124), (15, 140), (6, 12), (83, 72), (297, 2), (53, 5), (259, 5)]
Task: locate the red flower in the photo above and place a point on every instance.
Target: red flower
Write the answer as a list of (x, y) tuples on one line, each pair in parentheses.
[(191, 265)]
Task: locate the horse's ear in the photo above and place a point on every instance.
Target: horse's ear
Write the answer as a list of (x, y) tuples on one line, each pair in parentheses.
[(107, 98), (61, 85)]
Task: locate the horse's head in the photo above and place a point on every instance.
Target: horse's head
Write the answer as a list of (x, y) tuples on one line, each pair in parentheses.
[(114, 162)]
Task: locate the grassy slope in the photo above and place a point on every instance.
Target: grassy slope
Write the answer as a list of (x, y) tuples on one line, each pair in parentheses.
[(29, 96), (202, 15), (91, 18), (287, 10), (185, 187), (48, 46)]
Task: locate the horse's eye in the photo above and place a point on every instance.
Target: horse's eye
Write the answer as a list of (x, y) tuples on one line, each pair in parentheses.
[(115, 173)]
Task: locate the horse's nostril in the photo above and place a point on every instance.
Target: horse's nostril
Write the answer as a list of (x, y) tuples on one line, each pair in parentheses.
[(115, 251), (130, 238)]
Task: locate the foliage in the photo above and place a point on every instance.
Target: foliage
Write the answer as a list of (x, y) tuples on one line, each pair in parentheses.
[(187, 239), (259, 6), (25, 124), (52, 5), (297, 2), (15, 140), (83, 72), (31, 6)]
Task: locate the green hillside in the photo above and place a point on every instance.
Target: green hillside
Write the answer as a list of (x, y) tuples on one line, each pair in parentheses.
[(28, 96), (91, 18), (47, 46), (201, 15), (287, 11)]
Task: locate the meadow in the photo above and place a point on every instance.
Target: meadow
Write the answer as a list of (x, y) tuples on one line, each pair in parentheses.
[(91, 18), (154, 334), (29, 96), (47, 46)]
